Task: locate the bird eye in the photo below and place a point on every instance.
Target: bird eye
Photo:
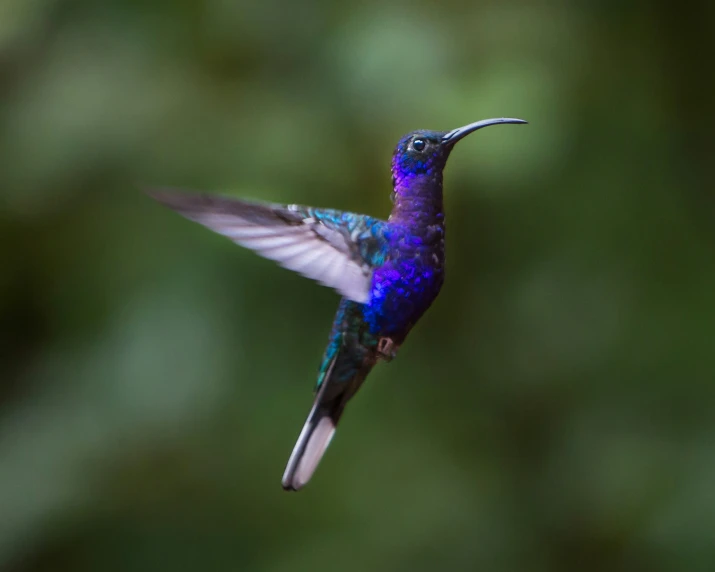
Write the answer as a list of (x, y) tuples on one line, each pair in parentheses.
[(419, 144)]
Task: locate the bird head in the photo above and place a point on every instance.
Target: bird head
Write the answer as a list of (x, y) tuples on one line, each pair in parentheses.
[(425, 152)]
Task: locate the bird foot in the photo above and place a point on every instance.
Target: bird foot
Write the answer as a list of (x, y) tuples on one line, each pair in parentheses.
[(386, 349)]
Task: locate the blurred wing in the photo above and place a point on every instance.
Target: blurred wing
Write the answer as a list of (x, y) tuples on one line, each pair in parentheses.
[(337, 249)]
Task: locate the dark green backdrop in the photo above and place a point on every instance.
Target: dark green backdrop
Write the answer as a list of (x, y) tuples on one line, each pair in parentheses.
[(553, 411)]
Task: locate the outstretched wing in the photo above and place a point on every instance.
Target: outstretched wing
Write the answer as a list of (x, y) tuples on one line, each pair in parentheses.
[(336, 248)]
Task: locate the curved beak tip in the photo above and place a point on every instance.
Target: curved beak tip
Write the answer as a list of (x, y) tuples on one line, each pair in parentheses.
[(457, 134)]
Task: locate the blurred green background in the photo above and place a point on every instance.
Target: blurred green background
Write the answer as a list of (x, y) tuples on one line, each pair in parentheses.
[(553, 411)]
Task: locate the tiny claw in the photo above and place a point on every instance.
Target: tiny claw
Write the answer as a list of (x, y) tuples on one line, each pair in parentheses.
[(387, 349)]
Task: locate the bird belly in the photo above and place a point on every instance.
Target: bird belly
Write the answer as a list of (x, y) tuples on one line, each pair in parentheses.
[(401, 292)]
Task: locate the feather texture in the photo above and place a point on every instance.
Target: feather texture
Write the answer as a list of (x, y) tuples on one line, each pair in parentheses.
[(337, 249)]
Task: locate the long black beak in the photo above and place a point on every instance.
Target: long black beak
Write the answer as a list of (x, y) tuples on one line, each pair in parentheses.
[(456, 134)]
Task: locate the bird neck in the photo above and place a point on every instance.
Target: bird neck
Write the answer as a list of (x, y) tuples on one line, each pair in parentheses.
[(418, 199)]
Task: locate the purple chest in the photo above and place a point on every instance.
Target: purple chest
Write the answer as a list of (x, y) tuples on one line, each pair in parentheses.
[(407, 284)]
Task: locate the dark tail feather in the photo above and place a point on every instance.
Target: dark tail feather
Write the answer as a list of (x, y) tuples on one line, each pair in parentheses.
[(315, 436)]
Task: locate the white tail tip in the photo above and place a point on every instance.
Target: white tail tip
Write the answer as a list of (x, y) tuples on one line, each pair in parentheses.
[(318, 441)]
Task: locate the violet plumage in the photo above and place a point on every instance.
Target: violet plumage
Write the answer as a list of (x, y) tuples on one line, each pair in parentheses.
[(388, 272)]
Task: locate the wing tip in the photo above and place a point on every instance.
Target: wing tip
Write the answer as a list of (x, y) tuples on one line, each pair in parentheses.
[(173, 198), (184, 201)]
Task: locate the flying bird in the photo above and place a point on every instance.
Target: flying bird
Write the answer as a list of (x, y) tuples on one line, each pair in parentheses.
[(388, 272)]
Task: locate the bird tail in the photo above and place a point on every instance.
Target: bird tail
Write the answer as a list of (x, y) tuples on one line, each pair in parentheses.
[(312, 443), (319, 428)]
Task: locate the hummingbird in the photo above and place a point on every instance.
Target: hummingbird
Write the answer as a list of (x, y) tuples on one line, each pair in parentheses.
[(388, 272)]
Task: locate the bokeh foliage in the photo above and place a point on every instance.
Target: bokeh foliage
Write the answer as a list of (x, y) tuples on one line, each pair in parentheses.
[(553, 411)]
